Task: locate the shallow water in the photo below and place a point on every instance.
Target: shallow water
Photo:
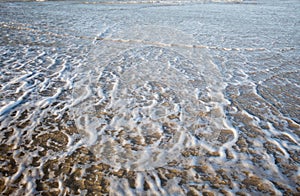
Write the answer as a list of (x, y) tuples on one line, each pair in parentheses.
[(150, 98)]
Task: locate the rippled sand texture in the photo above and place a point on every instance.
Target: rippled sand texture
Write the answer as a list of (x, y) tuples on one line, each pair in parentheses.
[(150, 98)]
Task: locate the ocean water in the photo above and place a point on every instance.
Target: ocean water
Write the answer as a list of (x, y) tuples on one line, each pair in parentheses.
[(150, 97)]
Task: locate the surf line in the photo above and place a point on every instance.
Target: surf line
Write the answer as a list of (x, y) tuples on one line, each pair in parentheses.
[(161, 44)]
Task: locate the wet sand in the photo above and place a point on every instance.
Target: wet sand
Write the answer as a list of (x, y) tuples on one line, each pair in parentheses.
[(149, 98)]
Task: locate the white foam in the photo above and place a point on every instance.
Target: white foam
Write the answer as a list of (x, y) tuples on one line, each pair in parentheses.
[(8, 107), (131, 87), (147, 84)]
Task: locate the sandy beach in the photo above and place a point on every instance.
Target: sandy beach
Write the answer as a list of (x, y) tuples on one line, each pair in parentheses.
[(150, 97)]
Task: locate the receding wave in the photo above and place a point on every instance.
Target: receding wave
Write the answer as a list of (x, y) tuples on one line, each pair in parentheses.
[(150, 103), (149, 98)]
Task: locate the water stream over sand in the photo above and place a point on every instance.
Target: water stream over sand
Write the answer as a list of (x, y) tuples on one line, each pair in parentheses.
[(149, 98)]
